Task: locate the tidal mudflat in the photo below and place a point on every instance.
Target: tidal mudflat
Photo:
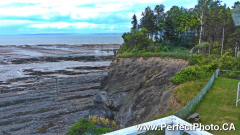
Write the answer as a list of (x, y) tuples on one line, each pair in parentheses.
[(44, 89)]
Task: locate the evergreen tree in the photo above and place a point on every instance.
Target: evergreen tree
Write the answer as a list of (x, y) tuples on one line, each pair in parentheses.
[(160, 15), (237, 3), (148, 21), (169, 30), (134, 22), (209, 22)]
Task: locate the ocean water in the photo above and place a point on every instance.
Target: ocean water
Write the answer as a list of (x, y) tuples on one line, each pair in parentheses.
[(60, 39)]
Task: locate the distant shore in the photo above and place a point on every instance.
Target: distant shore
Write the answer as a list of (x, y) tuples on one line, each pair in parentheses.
[(63, 44), (60, 39)]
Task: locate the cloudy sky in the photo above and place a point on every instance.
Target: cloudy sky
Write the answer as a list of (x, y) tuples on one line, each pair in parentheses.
[(76, 16)]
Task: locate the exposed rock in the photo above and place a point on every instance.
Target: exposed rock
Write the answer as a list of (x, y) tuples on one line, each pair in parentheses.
[(136, 89), (44, 89)]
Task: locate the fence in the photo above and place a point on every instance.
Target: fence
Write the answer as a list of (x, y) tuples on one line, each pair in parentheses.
[(191, 106), (229, 74)]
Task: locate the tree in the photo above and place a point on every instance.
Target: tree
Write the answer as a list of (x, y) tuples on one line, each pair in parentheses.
[(237, 3), (234, 39), (148, 21), (230, 29), (212, 31), (169, 30), (201, 8), (134, 22), (223, 15), (159, 11), (135, 39)]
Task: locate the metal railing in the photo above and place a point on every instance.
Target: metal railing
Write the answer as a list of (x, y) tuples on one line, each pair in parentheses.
[(169, 120), (238, 94)]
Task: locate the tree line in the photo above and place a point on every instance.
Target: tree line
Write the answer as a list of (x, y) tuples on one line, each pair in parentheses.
[(209, 24)]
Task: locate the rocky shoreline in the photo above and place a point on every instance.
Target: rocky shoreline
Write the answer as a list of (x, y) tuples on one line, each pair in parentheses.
[(46, 88)]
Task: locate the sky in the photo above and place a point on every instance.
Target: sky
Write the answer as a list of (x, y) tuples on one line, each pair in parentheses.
[(77, 16)]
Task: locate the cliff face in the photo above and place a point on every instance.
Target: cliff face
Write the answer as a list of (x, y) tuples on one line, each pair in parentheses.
[(136, 89)]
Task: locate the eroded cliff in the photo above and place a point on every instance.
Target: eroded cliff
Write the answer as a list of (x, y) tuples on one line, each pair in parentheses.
[(136, 89)]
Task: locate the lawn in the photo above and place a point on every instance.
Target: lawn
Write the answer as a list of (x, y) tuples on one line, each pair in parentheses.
[(218, 106)]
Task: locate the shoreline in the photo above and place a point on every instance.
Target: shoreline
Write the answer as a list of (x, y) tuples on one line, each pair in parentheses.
[(116, 44), (49, 86)]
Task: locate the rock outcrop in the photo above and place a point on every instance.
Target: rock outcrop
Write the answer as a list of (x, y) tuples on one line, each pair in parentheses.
[(136, 89)]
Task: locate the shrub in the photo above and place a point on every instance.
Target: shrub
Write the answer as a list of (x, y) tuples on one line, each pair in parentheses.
[(158, 49), (183, 48), (203, 45), (142, 51), (151, 48), (128, 50), (232, 74), (213, 66), (194, 59), (165, 49), (187, 74), (84, 127), (205, 60), (227, 62), (134, 51)]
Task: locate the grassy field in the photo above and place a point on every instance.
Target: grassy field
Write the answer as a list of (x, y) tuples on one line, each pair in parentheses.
[(219, 106)]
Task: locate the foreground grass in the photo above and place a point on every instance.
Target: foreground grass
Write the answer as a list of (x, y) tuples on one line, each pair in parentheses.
[(184, 93), (219, 106), (182, 55), (187, 91)]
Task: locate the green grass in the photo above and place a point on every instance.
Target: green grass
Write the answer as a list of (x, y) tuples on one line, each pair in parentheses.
[(181, 55), (187, 91), (219, 106)]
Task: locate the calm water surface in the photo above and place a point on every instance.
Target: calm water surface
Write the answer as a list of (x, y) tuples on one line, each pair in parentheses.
[(60, 39)]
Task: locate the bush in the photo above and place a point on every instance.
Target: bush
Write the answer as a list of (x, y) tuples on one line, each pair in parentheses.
[(213, 66), (227, 62), (158, 49), (134, 51), (84, 127), (128, 50), (194, 59), (151, 48), (203, 45), (165, 49), (232, 75), (187, 74)]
